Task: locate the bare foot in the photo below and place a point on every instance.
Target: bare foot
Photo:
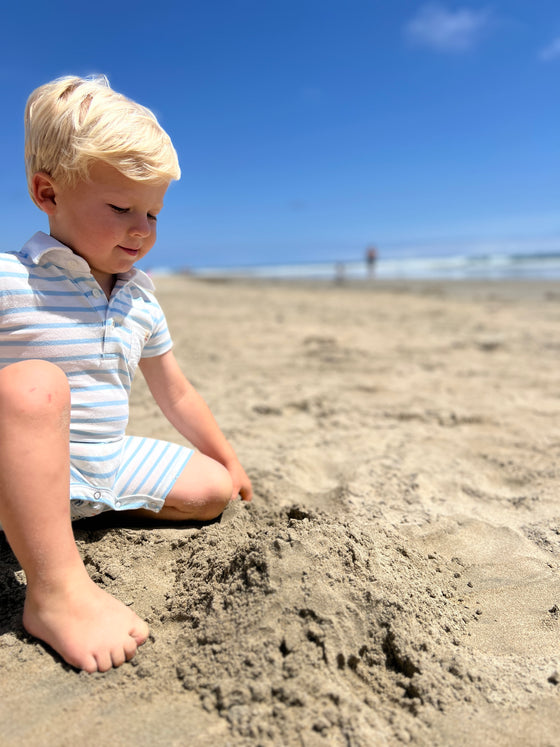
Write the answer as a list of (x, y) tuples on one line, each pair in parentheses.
[(88, 627)]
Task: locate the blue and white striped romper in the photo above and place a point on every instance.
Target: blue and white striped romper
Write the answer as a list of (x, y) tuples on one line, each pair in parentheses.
[(52, 308)]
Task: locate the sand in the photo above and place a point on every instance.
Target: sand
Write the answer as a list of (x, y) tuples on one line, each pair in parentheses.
[(395, 580)]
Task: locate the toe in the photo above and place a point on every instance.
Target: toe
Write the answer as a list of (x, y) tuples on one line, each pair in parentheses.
[(140, 632), (118, 657), (104, 661), (130, 648)]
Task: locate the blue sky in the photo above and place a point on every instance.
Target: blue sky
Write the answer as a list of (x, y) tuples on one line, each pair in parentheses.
[(308, 129)]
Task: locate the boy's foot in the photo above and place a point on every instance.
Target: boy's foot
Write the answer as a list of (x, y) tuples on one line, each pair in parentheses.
[(88, 627)]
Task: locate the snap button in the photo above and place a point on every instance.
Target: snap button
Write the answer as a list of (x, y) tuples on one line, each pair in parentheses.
[(97, 495)]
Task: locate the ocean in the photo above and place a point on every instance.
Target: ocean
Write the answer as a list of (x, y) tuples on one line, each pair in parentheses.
[(502, 266)]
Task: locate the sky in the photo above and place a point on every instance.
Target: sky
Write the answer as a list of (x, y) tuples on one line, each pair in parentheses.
[(309, 129)]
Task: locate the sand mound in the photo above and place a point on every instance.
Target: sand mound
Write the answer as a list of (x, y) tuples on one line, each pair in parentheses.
[(307, 624)]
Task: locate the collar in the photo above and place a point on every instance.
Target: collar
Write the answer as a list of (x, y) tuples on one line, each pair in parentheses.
[(43, 248)]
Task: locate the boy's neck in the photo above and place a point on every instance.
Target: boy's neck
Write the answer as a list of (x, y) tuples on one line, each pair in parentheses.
[(106, 282)]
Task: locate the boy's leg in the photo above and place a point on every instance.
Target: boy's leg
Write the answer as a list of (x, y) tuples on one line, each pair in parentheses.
[(89, 628), (201, 492)]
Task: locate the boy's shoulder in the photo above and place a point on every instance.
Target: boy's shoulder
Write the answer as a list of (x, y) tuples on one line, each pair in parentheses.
[(33, 249), (22, 263), (12, 260), (15, 270)]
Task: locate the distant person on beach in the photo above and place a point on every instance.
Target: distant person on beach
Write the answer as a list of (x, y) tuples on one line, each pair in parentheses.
[(77, 319), (371, 260), (339, 272)]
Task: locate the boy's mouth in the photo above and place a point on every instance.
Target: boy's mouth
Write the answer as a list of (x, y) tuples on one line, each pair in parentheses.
[(131, 252)]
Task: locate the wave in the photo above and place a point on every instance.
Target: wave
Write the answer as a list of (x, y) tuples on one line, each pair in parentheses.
[(491, 266)]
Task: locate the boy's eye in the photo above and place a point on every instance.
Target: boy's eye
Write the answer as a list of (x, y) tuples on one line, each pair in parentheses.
[(123, 211)]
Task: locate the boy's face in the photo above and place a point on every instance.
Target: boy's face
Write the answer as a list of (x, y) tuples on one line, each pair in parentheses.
[(109, 220)]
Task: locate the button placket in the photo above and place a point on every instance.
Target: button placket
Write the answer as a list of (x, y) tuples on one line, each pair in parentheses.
[(97, 300)]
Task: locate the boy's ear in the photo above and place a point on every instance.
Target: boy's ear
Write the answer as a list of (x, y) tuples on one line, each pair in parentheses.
[(44, 192)]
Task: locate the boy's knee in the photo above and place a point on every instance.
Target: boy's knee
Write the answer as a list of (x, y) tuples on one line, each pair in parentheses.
[(219, 490), (202, 491), (33, 388)]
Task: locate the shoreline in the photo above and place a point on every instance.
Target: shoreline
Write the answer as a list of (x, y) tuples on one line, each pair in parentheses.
[(467, 288)]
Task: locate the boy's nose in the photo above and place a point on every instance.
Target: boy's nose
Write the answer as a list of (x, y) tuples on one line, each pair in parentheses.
[(141, 227)]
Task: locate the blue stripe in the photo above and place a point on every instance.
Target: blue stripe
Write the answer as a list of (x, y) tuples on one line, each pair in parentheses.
[(97, 372), (150, 351), (134, 453), (154, 465), (139, 467), (100, 388), (39, 292), (51, 309), (99, 475), (53, 325), (58, 359), (180, 467), (162, 478), (103, 403), (23, 275), (75, 341), (81, 421), (121, 306), (49, 343), (104, 458), (67, 358), (75, 433)]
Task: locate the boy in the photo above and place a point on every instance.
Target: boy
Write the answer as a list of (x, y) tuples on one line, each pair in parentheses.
[(76, 319)]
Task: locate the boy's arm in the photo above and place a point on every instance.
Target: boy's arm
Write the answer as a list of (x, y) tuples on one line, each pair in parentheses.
[(187, 411)]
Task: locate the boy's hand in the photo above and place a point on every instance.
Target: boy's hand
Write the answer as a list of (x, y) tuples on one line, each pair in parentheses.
[(241, 483)]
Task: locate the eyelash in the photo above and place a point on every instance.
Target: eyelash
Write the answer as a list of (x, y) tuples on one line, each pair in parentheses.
[(123, 211)]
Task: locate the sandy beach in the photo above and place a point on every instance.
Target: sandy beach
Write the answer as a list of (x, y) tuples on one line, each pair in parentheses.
[(396, 578)]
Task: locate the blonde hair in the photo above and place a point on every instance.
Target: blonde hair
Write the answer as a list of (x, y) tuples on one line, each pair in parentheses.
[(72, 122)]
